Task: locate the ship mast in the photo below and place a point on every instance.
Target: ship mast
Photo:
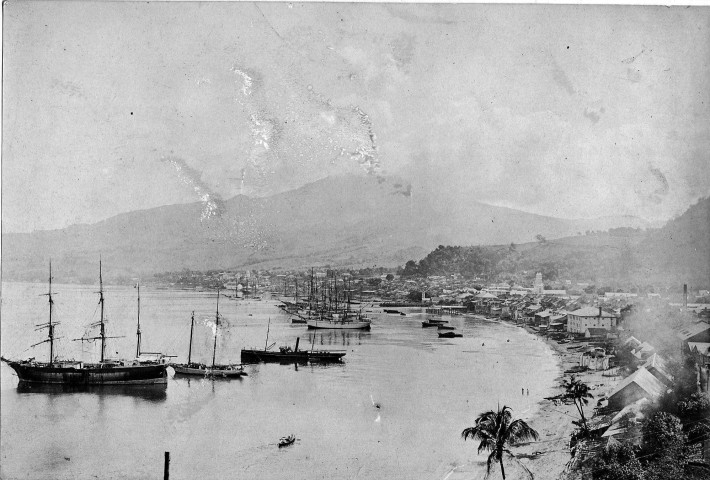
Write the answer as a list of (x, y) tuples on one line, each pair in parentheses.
[(216, 327), (50, 325), (138, 330), (101, 302), (189, 351)]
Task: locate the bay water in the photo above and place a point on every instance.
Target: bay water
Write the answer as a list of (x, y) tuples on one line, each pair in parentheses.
[(393, 409)]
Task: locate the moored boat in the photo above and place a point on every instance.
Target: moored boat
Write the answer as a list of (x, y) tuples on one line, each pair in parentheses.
[(214, 370), (286, 354), (79, 373), (449, 335), (341, 321), (436, 319)]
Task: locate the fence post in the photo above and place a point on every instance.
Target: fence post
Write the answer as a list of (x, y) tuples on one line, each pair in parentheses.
[(166, 470)]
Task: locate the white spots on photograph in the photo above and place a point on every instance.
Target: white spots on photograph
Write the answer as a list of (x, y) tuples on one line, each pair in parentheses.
[(261, 131), (246, 81), (212, 203), (295, 129)]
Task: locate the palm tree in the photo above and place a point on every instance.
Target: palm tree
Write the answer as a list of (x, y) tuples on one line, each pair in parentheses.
[(578, 392), (497, 430)]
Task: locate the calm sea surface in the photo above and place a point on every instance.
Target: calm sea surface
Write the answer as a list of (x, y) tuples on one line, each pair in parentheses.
[(428, 390)]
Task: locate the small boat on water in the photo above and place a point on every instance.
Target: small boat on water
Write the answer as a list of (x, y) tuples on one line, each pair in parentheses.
[(427, 324), (78, 373), (286, 354), (436, 319), (450, 335), (299, 320), (340, 321), (215, 370), (445, 327), (286, 441)]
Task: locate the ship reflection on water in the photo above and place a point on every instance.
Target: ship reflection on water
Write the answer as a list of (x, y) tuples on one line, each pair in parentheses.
[(339, 337), (151, 393)]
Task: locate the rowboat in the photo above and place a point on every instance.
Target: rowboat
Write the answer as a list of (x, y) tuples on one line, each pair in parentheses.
[(286, 441)]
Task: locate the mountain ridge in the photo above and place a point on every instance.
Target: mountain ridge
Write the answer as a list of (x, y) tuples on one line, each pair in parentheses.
[(345, 220)]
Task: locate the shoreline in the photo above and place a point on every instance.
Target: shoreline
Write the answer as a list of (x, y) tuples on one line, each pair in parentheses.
[(554, 421), (549, 456)]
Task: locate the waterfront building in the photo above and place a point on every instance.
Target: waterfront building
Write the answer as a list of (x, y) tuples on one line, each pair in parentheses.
[(598, 334), (590, 317)]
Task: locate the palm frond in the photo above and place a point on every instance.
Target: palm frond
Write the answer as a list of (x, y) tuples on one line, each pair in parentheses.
[(520, 431), (469, 432), (487, 445)]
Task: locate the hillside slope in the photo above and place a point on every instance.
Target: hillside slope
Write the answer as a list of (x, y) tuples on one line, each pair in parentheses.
[(675, 254), (349, 220)]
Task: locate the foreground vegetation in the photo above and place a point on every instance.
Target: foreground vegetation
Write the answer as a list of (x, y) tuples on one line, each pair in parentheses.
[(496, 431)]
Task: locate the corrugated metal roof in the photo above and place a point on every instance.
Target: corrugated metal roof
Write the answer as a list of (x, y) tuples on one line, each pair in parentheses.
[(692, 330), (644, 379)]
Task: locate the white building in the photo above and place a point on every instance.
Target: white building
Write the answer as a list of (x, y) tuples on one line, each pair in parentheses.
[(538, 286), (590, 317)]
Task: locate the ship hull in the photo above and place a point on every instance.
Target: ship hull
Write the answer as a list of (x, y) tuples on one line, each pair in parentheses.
[(208, 371), (89, 375), (257, 356), (338, 325)]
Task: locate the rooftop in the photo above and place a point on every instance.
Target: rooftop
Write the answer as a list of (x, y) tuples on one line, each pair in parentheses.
[(644, 379), (592, 312)]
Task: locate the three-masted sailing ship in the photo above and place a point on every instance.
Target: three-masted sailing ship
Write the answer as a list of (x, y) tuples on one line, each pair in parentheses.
[(201, 369), (73, 372), (336, 313)]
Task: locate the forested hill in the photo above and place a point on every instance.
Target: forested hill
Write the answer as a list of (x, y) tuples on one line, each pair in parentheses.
[(677, 253)]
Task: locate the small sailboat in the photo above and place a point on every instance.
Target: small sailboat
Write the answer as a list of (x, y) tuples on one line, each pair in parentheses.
[(214, 370), (146, 358)]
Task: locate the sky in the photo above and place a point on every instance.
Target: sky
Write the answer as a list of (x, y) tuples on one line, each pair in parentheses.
[(567, 111)]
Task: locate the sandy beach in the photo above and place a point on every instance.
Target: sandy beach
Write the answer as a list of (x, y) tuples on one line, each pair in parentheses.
[(547, 458)]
